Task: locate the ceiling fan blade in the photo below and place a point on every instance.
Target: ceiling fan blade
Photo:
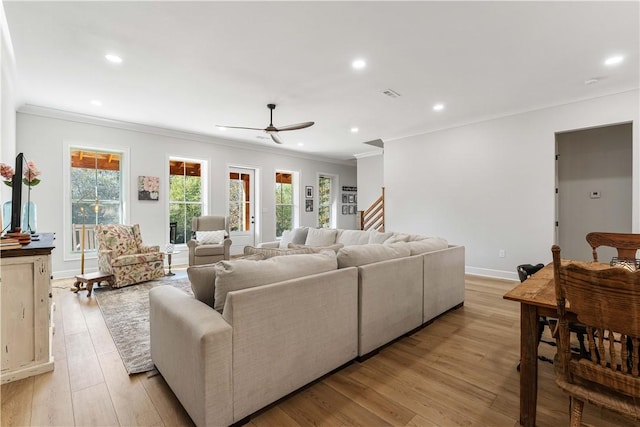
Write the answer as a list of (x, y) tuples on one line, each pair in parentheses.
[(238, 127), (296, 127), (275, 138)]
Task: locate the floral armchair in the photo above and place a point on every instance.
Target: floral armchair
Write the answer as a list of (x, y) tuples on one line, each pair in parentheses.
[(121, 253)]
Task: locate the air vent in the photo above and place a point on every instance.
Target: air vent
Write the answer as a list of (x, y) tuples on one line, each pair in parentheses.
[(391, 93)]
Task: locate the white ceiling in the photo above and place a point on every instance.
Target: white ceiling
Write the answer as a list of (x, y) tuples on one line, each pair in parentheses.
[(192, 65)]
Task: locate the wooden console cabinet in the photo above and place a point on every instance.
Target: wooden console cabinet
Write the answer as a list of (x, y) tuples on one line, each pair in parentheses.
[(26, 304)]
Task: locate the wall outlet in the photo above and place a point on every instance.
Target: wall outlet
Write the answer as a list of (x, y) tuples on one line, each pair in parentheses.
[(502, 253)]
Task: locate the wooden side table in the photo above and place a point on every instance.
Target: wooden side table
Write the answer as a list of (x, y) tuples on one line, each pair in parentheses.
[(86, 281)]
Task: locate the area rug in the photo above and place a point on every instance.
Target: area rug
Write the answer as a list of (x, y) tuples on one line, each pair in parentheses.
[(126, 313)]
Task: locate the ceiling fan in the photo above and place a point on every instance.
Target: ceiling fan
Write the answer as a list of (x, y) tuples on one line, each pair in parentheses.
[(271, 129)]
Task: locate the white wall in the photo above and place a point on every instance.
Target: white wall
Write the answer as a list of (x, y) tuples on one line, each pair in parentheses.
[(42, 135), (490, 185), (370, 179), (7, 102)]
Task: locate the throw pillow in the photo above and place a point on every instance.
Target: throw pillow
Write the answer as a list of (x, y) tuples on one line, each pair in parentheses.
[(210, 237), (321, 237), (300, 235), (352, 237), (242, 274), (285, 239)]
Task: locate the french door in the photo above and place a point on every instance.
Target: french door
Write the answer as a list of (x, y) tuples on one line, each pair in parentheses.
[(241, 205)]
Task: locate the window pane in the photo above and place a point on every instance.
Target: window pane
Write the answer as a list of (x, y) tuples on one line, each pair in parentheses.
[(177, 214), (108, 183), (192, 189), (83, 184), (235, 216), (176, 188), (287, 194)]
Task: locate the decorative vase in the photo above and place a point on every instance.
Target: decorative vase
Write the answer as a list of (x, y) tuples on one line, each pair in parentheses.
[(29, 217), (6, 216)]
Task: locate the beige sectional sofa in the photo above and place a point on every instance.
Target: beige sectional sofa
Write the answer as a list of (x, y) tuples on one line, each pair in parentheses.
[(301, 316)]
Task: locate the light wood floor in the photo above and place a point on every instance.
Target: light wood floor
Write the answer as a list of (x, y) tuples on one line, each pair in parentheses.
[(460, 370)]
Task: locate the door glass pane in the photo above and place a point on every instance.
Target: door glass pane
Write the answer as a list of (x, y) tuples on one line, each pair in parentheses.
[(239, 201)]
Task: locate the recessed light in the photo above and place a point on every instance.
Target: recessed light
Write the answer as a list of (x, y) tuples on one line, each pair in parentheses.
[(96, 103), (614, 60), (359, 64), (113, 58), (221, 127), (300, 144), (438, 107), (354, 130)]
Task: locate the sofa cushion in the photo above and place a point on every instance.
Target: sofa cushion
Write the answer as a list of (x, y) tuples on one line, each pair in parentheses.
[(354, 256), (315, 249), (397, 237), (376, 237), (203, 279), (321, 237), (271, 252), (210, 237), (242, 274), (427, 245), (352, 237)]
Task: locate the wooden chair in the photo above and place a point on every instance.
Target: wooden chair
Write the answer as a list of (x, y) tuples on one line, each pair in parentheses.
[(627, 244), (607, 301)]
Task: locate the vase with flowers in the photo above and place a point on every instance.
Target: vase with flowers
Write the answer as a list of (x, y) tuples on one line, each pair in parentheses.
[(30, 179)]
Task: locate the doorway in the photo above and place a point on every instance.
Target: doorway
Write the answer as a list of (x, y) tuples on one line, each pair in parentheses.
[(594, 187), (241, 205)]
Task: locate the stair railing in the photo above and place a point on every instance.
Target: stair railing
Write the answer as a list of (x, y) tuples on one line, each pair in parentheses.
[(373, 217)]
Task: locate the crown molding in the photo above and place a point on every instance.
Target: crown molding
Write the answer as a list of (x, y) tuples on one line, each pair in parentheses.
[(369, 154), (53, 113)]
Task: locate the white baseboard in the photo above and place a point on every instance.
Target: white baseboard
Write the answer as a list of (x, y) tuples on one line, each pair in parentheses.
[(488, 272)]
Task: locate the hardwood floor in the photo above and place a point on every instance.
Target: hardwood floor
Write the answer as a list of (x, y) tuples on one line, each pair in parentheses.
[(460, 370)]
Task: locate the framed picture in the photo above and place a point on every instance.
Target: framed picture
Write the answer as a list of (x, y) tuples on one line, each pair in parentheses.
[(345, 198), (148, 188), (352, 209), (308, 193), (355, 198), (351, 198), (308, 205), (345, 209)]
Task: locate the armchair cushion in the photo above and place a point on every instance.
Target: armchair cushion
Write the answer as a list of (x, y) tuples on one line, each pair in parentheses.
[(136, 259), (208, 250), (210, 237)]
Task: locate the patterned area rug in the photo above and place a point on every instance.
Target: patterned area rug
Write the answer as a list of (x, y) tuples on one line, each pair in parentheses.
[(126, 313)]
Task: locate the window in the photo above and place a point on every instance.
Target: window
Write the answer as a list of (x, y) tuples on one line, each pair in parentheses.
[(185, 197), (324, 202), (284, 202), (96, 192)]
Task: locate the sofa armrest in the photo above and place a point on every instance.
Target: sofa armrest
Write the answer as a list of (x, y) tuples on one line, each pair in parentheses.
[(147, 249), (273, 245), (443, 281), (191, 347)]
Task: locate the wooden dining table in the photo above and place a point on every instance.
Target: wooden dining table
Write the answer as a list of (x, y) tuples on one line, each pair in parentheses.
[(537, 297)]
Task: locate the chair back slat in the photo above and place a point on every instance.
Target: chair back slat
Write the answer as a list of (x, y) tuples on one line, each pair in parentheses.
[(627, 244)]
